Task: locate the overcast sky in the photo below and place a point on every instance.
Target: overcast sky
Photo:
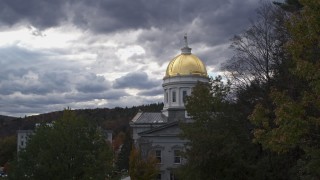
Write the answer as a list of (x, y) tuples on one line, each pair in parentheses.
[(106, 53)]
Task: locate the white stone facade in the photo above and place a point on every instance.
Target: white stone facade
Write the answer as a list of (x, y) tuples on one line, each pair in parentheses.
[(22, 139)]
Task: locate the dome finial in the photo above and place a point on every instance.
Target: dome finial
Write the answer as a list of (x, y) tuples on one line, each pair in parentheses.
[(186, 39), (186, 49)]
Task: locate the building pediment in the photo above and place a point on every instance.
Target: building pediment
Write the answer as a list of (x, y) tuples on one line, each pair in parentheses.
[(169, 129)]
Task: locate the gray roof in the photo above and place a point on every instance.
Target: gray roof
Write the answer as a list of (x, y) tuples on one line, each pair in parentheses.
[(165, 126), (25, 131), (149, 117)]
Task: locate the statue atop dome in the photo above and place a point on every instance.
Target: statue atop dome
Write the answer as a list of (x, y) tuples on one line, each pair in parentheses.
[(186, 40), (186, 49)]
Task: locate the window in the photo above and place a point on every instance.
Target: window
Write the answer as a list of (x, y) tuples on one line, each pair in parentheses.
[(174, 96), (21, 143), (159, 177), (177, 156), (184, 95), (158, 155), (167, 97), (172, 176), (143, 153)]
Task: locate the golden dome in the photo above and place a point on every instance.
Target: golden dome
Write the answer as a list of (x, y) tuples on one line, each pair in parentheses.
[(186, 64)]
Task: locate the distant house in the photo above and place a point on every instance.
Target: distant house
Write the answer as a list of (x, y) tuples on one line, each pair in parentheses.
[(24, 135), (158, 133), (108, 135), (22, 138)]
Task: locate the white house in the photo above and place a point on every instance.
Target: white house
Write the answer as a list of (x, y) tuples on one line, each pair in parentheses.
[(22, 138)]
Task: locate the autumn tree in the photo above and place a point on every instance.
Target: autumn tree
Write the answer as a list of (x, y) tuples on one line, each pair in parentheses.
[(69, 148), (8, 149), (260, 60), (294, 121), (142, 168), (258, 52)]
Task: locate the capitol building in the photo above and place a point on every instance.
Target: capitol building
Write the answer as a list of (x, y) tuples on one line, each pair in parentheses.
[(158, 132)]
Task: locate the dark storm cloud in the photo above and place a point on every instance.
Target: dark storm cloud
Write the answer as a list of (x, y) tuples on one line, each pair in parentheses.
[(21, 71), (18, 106), (114, 94), (207, 22), (114, 15), (34, 100), (227, 20), (214, 55), (84, 97), (37, 82), (93, 83), (32, 82), (137, 80), (151, 92), (42, 14), (124, 14)]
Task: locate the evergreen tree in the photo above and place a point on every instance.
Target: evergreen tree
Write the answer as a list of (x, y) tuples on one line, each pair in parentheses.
[(69, 148), (123, 157), (219, 147)]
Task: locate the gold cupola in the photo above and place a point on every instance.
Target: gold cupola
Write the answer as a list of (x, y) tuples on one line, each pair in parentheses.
[(186, 64)]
